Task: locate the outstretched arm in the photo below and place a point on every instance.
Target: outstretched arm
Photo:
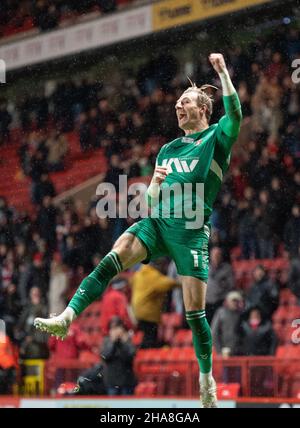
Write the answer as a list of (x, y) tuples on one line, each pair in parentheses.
[(231, 122)]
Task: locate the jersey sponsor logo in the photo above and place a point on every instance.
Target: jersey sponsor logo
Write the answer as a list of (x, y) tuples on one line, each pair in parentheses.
[(180, 165), (187, 140), (198, 142)]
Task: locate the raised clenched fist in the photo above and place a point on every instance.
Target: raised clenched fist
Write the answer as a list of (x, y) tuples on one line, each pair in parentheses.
[(218, 62)]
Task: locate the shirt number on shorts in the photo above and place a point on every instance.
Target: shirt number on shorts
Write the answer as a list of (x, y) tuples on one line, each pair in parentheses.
[(195, 257)]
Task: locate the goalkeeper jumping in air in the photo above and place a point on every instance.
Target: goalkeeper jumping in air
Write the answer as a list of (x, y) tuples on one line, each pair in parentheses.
[(201, 156)]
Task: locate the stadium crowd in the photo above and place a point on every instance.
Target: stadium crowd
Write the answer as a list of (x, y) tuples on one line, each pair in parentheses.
[(44, 15), (43, 257)]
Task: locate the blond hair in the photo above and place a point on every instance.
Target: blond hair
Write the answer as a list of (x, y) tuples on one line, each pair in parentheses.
[(204, 96)]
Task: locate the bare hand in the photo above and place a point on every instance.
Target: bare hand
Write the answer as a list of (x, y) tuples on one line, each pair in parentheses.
[(124, 337), (218, 62), (114, 335), (159, 175)]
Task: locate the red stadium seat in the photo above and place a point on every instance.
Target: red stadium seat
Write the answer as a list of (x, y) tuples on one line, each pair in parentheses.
[(228, 390), (89, 357), (183, 337), (137, 338), (145, 389), (286, 297), (294, 391), (172, 319), (170, 322), (281, 314)]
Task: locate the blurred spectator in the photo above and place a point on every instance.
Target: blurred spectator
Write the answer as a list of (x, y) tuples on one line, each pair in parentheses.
[(5, 121), (46, 222), (39, 275), (42, 188), (263, 293), (8, 364), (223, 219), (6, 230), (220, 282), (258, 338), (265, 224), (33, 342), (149, 287), (37, 166), (91, 381), (4, 208), (59, 284), (265, 105), (293, 282), (70, 347), (114, 171), (46, 16), (115, 304), (226, 323), (246, 227), (117, 353), (138, 165), (11, 308), (84, 133), (292, 232), (257, 335), (107, 5), (57, 148)]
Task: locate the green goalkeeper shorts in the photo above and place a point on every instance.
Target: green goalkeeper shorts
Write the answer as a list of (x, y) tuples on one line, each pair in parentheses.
[(188, 248)]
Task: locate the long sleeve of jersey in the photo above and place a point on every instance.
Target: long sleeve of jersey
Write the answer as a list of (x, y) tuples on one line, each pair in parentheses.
[(229, 124)]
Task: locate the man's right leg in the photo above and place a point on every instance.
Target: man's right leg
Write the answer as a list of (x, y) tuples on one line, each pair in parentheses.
[(127, 251)]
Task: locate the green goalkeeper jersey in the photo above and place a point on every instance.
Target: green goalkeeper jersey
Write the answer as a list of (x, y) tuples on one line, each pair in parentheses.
[(196, 164)]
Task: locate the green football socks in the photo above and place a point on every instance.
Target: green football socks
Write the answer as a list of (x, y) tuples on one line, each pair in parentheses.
[(202, 339), (93, 286)]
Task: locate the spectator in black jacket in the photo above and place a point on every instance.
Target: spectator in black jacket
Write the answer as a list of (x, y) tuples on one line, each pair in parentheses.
[(118, 353), (220, 282), (84, 133), (43, 187), (258, 337), (263, 293), (5, 120), (113, 173), (293, 282), (292, 232), (33, 342), (46, 222)]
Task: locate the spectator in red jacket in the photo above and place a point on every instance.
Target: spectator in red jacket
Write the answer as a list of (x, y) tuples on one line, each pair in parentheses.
[(70, 347), (115, 303), (8, 364)]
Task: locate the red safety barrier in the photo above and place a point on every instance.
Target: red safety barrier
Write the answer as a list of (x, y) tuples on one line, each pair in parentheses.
[(174, 371)]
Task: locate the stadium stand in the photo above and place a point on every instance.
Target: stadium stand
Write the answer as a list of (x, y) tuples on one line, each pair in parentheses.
[(32, 17)]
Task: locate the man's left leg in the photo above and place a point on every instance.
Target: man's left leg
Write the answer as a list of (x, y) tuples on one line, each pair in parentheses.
[(194, 292)]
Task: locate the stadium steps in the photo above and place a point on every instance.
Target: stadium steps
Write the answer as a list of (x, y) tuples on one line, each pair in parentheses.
[(79, 168)]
